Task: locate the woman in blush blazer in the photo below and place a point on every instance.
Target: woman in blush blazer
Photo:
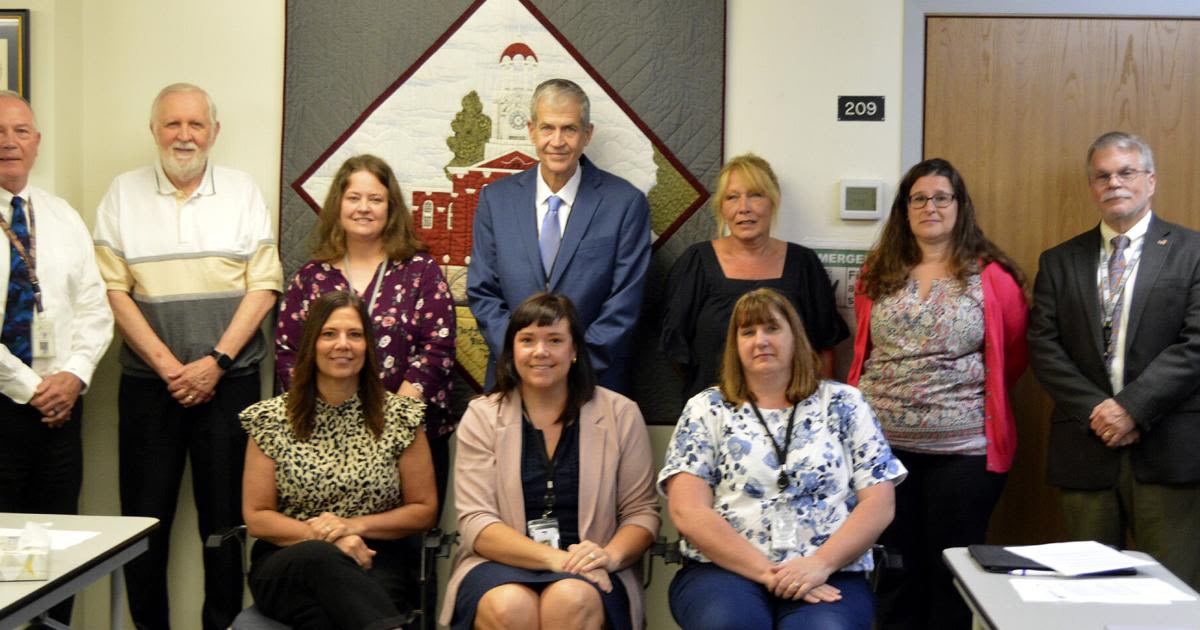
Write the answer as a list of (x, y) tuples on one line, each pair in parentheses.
[(547, 419)]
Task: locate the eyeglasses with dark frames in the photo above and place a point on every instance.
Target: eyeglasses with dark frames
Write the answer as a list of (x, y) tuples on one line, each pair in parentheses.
[(940, 200)]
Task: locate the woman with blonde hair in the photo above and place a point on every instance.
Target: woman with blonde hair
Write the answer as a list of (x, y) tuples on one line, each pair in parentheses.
[(710, 276)]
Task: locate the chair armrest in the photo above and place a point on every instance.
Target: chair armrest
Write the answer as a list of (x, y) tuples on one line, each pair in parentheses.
[(218, 539)]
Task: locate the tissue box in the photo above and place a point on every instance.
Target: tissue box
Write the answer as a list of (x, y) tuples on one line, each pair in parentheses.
[(18, 565)]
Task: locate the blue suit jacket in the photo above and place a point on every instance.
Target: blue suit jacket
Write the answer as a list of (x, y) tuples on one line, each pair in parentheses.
[(601, 264)]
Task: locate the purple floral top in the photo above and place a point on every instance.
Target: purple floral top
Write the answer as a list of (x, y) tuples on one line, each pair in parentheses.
[(413, 322)]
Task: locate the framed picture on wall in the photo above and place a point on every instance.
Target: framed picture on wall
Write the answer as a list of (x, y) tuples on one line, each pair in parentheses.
[(14, 51)]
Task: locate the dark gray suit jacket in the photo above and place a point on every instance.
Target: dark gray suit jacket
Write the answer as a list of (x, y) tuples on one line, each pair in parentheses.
[(1162, 358)]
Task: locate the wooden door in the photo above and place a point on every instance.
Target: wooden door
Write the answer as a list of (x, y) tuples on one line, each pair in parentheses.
[(1014, 104)]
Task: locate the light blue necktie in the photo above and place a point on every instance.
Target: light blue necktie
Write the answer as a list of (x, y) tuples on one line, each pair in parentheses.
[(550, 237)]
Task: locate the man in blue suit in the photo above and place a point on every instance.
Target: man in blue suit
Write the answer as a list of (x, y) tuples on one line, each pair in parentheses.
[(563, 226)]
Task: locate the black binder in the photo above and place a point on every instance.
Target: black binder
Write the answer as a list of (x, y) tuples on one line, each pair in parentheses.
[(997, 559)]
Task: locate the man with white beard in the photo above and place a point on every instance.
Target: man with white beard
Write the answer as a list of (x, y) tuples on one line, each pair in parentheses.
[(191, 265)]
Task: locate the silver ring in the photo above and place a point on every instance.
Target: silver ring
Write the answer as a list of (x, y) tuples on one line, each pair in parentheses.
[(795, 585), (591, 556)]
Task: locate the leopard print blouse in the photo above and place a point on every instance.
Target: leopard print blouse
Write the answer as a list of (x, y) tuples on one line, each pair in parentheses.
[(341, 468)]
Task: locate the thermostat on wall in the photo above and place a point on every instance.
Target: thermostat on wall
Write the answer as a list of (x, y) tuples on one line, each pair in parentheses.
[(862, 199)]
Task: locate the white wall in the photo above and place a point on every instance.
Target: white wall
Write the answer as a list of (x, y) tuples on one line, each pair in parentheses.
[(787, 61), (97, 65), (95, 68)]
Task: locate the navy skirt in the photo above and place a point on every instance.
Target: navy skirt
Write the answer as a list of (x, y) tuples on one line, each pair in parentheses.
[(489, 575)]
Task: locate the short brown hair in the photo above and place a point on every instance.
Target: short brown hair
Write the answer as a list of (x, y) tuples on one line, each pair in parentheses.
[(400, 239), (756, 308)]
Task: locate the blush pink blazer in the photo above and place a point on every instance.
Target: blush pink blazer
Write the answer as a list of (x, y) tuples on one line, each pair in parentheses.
[(616, 480)]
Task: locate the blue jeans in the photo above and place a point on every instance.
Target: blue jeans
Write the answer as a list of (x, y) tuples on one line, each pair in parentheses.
[(703, 595)]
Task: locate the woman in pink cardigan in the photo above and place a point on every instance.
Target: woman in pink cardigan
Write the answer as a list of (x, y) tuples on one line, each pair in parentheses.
[(554, 488), (940, 341)]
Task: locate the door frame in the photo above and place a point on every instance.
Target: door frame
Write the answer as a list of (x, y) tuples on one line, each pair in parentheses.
[(912, 96)]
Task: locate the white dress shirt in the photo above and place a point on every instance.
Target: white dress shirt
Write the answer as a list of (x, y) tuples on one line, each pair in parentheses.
[(566, 193), (1137, 239), (73, 296)]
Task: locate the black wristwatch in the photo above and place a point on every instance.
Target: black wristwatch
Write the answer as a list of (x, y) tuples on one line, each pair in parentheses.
[(223, 360)]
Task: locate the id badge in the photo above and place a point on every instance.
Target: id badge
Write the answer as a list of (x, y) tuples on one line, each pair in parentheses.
[(544, 531), (785, 534), (43, 337)]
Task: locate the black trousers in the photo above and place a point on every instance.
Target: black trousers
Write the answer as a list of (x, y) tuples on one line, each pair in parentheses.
[(946, 501), (313, 585), (41, 469), (439, 451), (157, 435)]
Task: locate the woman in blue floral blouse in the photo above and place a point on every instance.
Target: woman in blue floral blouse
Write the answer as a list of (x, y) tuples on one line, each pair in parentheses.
[(779, 483)]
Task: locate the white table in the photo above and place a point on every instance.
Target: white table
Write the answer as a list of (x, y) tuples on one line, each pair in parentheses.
[(996, 605), (121, 539)]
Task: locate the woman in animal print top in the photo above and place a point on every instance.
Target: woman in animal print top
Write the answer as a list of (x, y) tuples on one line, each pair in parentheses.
[(337, 472)]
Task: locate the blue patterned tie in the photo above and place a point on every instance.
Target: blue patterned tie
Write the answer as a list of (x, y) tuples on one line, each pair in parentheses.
[(550, 237), (18, 311), (1116, 270)]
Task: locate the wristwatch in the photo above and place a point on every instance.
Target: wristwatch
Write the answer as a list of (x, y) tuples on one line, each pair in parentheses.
[(223, 360)]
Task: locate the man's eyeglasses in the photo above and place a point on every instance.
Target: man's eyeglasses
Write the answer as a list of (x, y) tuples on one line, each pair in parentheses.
[(1126, 175), (940, 200)]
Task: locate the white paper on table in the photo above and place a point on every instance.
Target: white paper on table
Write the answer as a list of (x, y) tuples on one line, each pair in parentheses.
[(1079, 558), (59, 538), (1118, 590)]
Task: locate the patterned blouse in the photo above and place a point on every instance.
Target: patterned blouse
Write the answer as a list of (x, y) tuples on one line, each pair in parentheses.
[(341, 468), (413, 322), (925, 375), (836, 450)]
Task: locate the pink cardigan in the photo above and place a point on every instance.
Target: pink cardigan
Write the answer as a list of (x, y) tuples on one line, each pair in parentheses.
[(1005, 357), (616, 481)]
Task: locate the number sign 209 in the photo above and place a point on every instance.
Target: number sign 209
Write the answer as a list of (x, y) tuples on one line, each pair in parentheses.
[(860, 108)]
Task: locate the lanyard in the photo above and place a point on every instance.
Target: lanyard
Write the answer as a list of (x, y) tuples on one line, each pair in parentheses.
[(378, 282), (30, 256), (780, 452), (550, 463), (1110, 301)]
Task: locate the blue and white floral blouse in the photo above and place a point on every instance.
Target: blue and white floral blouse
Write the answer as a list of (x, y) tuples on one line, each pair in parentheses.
[(836, 450)]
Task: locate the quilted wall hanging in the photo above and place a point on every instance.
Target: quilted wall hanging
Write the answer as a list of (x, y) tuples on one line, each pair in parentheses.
[(441, 91)]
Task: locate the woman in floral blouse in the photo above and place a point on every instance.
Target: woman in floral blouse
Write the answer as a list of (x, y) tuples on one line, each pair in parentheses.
[(365, 242), (337, 472), (940, 340), (779, 482)]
